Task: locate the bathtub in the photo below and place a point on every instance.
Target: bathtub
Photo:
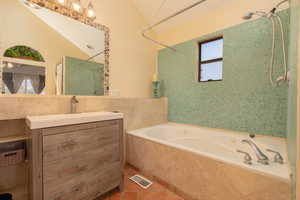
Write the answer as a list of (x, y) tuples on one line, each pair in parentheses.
[(207, 159)]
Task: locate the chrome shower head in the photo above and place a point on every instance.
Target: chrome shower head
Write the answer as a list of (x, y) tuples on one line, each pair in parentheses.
[(248, 16)]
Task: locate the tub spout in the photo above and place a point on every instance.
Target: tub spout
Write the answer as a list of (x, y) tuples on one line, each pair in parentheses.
[(74, 101), (261, 157)]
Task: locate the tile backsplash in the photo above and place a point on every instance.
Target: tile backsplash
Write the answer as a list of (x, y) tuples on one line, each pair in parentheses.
[(139, 112)]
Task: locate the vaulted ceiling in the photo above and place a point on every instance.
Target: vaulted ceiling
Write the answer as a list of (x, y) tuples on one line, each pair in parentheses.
[(155, 10)]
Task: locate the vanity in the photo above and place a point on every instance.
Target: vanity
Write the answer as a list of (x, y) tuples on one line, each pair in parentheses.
[(75, 156)]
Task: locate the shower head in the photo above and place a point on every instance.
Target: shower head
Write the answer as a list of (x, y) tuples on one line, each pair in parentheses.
[(248, 16)]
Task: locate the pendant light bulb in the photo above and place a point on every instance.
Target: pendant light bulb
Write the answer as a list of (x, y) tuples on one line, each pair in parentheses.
[(61, 2), (90, 11), (76, 5)]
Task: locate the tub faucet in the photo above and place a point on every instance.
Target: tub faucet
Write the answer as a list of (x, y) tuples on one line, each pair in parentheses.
[(74, 101), (261, 157), (278, 158), (247, 157)]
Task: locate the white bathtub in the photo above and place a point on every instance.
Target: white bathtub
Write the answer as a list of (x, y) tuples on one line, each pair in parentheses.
[(219, 145)]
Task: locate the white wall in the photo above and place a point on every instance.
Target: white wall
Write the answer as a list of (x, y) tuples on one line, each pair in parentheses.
[(133, 58)]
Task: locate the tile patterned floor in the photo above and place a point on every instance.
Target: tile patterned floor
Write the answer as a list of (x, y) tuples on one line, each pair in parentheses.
[(134, 192)]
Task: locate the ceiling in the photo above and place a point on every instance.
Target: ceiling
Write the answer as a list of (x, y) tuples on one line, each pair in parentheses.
[(155, 10)]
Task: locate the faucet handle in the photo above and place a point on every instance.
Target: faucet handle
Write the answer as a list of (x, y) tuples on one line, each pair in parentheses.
[(74, 99), (247, 157), (278, 158)]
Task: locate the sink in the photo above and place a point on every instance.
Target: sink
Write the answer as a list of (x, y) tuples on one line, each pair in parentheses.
[(47, 121)]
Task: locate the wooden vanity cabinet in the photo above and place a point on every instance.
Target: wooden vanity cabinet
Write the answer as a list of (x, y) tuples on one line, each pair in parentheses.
[(76, 162)]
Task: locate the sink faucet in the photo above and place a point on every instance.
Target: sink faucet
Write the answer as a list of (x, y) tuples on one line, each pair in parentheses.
[(262, 158), (74, 101)]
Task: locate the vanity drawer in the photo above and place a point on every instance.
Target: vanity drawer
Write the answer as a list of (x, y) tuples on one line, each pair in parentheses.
[(88, 185), (61, 146), (69, 168)]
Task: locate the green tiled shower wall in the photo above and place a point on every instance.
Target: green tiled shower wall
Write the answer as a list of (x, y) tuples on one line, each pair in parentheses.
[(83, 77), (292, 91), (244, 101)]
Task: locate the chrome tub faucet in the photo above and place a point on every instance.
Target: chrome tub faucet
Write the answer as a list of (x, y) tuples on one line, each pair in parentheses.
[(74, 102), (261, 157), (277, 158), (247, 157)]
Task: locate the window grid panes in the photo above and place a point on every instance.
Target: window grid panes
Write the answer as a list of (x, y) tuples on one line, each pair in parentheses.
[(211, 60)]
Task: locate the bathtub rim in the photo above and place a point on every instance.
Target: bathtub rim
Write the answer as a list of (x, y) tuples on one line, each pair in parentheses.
[(210, 156), (223, 131)]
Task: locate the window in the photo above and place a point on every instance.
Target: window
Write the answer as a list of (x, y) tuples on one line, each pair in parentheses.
[(26, 87), (211, 60), (24, 52), (20, 72), (22, 78)]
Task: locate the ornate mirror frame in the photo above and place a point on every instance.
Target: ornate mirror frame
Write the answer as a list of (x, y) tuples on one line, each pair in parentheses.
[(56, 7)]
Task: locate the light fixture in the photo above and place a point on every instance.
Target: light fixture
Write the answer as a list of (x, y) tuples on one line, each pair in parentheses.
[(90, 12), (9, 65), (31, 5), (76, 5), (61, 2)]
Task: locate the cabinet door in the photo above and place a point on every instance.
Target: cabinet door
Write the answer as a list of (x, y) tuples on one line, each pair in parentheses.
[(81, 164)]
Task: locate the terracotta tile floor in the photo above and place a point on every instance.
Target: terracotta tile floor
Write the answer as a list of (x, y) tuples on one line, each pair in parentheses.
[(134, 192)]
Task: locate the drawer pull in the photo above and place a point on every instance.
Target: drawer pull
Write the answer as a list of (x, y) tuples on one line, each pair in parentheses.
[(78, 187), (68, 145)]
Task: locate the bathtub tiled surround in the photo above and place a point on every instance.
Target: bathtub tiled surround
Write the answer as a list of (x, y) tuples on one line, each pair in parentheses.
[(244, 100), (204, 177), (293, 91)]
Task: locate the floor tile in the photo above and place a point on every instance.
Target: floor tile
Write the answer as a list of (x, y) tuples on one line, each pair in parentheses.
[(132, 191), (147, 195), (130, 196)]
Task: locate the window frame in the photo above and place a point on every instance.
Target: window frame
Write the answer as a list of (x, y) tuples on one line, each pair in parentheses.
[(200, 62)]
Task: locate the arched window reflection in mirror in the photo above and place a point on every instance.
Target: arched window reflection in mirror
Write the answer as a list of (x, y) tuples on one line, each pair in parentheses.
[(24, 52), (23, 71)]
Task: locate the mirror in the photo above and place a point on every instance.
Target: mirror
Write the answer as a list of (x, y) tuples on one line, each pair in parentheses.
[(48, 48)]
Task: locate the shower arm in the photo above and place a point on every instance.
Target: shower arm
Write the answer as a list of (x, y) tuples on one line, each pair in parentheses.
[(166, 19), (98, 54), (279, 4)]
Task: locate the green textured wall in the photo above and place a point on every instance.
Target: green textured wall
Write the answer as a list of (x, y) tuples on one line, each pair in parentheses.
[(83, 77), (292, 93), (244, 100)]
